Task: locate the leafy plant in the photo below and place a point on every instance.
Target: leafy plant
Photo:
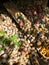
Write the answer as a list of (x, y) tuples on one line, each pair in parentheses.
[(13, 38), (18, 44), (1, 48), (7, 41), (2, 32)]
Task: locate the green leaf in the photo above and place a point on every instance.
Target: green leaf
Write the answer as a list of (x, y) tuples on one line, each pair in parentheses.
[(7, 42), (2, 32), (18, 44), (1, 48), (13, 38), (2, 38), (20, 17)]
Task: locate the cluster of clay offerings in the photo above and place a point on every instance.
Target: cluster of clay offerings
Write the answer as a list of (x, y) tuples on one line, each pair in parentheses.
[(39, 31), (43, 34), (12, 43), (22, 20), (8, 32)]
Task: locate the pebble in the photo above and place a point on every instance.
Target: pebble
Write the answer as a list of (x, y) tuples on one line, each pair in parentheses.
[(2, 52), (5, 55), (21, 24), (28, 41), (38, 43)]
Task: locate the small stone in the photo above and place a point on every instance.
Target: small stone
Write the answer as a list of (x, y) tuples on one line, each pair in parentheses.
[(40, 29), (21, 24), (27, 56), (38, 43), (34, 30), (5, 55), (0, 45), (2, 52), (32, 40), (35, 12), (28, 41)]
